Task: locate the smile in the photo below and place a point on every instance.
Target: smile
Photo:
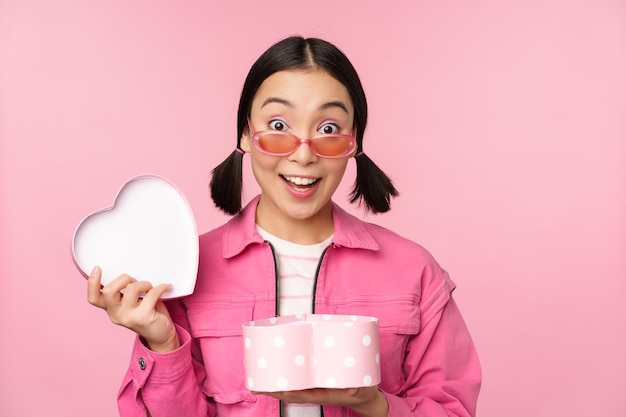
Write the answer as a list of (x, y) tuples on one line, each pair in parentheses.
[(300, 181)]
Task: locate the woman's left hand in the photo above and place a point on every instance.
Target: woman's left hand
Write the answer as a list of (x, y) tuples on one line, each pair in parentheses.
[(367, 401)]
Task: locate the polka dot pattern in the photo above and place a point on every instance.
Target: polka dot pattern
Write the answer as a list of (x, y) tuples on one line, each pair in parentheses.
[(282, 383), (279, 341), (329, 341), (349, 361), (300, 352)]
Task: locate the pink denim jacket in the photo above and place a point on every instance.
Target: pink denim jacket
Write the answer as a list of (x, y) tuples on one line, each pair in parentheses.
[(428, 362)]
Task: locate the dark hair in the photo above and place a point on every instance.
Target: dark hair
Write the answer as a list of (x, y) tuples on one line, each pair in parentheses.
[(371, 186)]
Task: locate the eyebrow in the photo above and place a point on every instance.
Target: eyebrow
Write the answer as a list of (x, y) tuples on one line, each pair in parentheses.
[(289, 104), (277, 100), (334, 104)]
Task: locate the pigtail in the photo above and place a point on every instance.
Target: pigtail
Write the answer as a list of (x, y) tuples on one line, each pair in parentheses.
[(372, 186), (226, 183)]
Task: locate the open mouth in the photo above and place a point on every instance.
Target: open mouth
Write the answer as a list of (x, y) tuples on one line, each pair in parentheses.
[(300, 183)]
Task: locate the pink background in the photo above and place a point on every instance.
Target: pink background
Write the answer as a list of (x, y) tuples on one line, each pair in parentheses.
[(502, 123)]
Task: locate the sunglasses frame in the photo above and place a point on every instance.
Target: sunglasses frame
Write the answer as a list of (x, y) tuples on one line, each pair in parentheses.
[(256, 137)]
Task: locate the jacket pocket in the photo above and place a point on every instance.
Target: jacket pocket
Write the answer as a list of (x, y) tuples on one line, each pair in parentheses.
[(216, 326), (218, 318), (398, 323)]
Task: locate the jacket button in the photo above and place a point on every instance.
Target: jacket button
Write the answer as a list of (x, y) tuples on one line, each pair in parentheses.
[(142, 364)]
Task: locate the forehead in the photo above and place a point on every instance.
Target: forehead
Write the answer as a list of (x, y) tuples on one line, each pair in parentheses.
[(303, 90)]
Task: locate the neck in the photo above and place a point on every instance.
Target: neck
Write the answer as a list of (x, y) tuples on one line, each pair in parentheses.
[(305, 231)]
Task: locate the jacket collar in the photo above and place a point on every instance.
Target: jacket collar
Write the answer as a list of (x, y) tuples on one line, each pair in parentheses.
[(240, 231)]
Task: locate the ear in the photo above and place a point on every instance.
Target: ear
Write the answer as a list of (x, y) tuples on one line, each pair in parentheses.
[(244, 141)]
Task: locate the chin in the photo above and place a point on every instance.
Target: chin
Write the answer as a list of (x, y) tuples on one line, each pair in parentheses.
[(308, 212)]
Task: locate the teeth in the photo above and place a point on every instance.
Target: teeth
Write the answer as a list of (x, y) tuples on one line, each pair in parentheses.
[(300, 180)]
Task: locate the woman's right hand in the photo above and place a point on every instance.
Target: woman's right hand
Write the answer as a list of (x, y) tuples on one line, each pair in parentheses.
[(147, 316)]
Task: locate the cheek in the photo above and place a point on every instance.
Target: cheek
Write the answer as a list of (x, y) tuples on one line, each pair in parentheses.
[(341, 165), (262, 165), (336, 169)]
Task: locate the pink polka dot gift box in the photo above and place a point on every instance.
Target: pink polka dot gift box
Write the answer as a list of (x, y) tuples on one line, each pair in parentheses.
[(311, 351)]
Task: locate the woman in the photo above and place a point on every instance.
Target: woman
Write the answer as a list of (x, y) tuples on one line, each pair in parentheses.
[(291, 250)]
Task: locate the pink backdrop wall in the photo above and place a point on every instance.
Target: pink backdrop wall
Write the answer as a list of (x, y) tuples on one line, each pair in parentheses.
[(502, 123)]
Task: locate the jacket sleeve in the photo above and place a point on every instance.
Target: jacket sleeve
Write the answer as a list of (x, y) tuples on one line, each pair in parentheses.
[(441, 367), (165, 384)]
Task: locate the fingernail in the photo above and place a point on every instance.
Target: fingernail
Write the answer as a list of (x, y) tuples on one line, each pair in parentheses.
[(95, 270)]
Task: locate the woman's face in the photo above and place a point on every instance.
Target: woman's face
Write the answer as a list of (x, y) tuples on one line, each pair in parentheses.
[(298, 186)]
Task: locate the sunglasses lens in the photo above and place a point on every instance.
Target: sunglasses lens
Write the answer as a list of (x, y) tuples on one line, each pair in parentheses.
[(332, 145), (277, 143), (284, 144)]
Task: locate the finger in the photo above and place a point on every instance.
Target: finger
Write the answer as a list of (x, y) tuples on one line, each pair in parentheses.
[(151, 300), (155, 294), (134, 291), (112, 292), (94, 296)]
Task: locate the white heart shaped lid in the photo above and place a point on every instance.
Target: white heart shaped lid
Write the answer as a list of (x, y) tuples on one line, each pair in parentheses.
[(149, 233)]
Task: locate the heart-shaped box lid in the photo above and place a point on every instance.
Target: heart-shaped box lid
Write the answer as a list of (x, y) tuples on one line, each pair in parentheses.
[(148, 233)]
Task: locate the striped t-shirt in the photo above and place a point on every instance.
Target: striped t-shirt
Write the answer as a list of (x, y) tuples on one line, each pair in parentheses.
[(297, 265)]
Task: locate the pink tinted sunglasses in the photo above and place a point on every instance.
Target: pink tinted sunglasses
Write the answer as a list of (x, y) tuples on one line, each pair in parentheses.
[(278, 143)]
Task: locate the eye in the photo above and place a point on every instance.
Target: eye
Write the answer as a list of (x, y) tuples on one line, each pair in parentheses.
[(278, 125), (328, 129)]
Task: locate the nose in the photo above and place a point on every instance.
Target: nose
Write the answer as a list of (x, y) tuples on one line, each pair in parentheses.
[(303, 154)]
